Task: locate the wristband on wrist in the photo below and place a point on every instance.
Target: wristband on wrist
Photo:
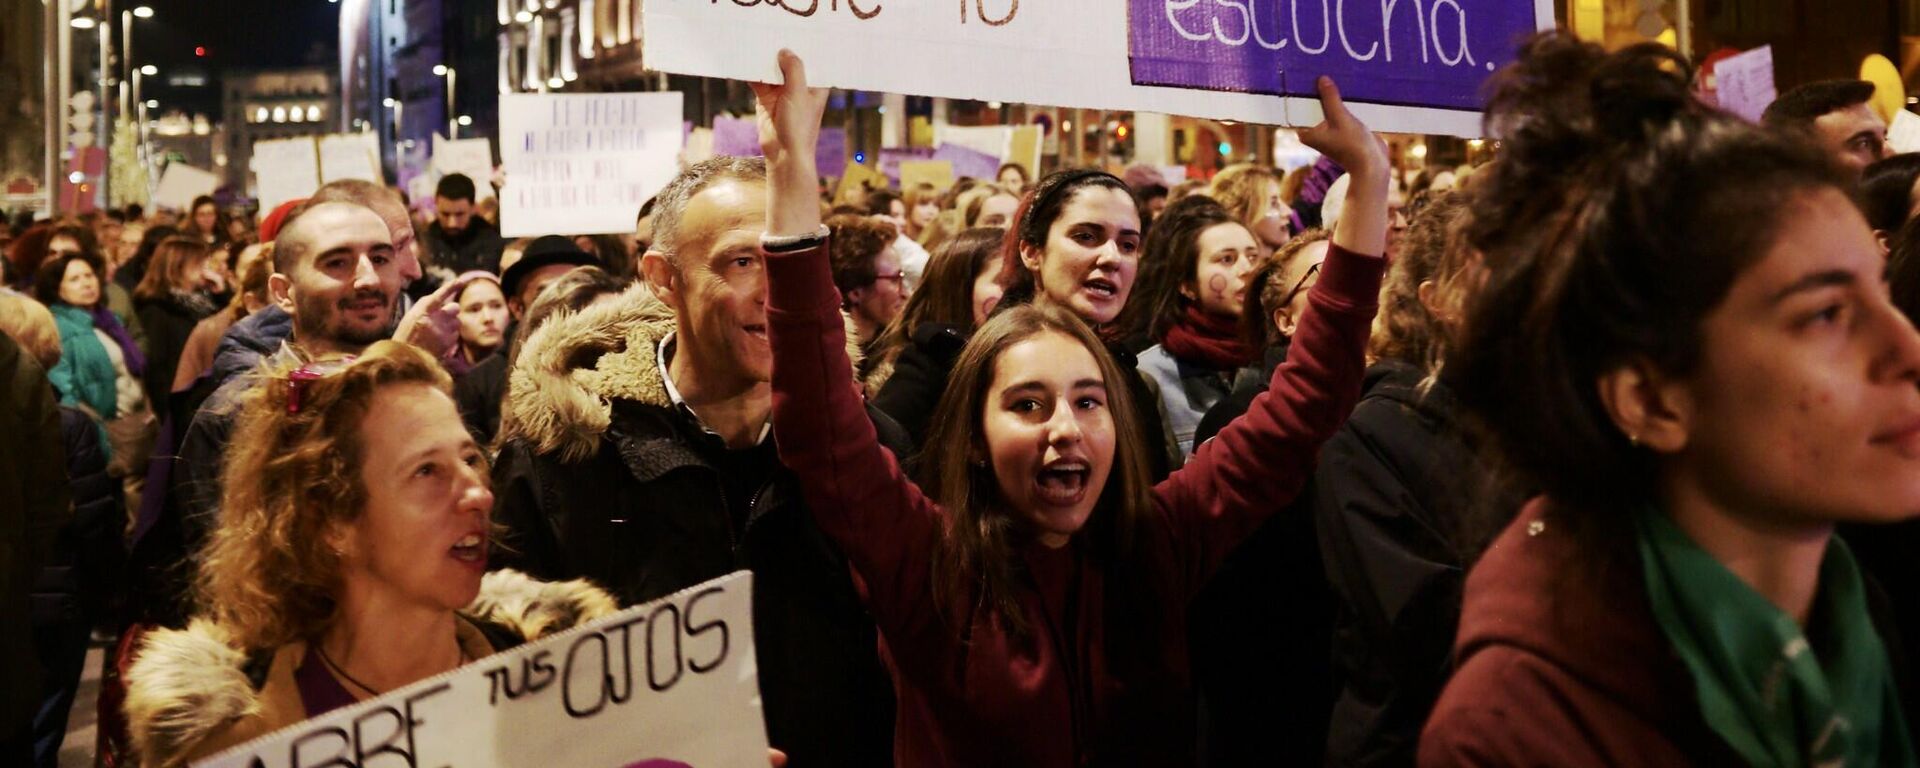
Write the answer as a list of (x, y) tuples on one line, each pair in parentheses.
[(793, 243)]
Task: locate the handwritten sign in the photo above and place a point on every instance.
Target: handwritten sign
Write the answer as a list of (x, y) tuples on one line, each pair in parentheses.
[(1419, 62), (180, 184), (350, 156), (285, 169), (1744, 82), (472, 158), (669, 683), (584, 163)]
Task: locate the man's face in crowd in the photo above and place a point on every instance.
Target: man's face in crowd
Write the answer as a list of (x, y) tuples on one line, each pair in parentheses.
[(454, 215), (399, 227), (531, 287), (719, 289), (343, 289), (1856, 135)]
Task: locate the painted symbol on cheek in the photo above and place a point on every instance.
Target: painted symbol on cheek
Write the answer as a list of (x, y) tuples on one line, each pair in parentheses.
[(987, 305), (1219, 287)]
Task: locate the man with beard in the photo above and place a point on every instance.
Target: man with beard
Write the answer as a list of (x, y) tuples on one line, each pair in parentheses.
[(458, 240), (337, 275)]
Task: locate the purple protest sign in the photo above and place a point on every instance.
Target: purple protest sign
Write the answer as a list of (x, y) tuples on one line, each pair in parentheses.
[(735, 137), (830, 155), (1423, 53), (890, 160), (968, 161)]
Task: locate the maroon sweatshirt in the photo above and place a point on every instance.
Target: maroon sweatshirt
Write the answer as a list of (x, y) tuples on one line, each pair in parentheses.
[(1102, 676)]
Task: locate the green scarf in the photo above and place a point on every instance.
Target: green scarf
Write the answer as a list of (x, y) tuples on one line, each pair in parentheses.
[(1760, 685)]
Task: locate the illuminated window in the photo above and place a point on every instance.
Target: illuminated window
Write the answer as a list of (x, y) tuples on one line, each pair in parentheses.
[(586, 28), (629, 21), (566, 50), (279, 114), (259, 114)]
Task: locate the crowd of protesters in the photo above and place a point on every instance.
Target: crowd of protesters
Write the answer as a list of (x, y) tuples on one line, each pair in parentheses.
[(1605, 452)]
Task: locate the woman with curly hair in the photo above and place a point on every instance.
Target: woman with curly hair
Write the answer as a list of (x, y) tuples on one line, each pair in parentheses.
[(350, 552)]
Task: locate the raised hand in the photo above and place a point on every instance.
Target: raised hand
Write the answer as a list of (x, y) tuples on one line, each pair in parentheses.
[(789, 117), (433, 323), (1362, 228)]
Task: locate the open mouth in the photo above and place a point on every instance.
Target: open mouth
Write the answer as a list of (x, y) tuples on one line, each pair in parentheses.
[(756, 330), (1063, 483), (1101, 288), (470, 549)]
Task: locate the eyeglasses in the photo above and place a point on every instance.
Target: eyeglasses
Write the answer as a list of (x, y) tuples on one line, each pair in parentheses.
[(1297, 287), (900, 277)]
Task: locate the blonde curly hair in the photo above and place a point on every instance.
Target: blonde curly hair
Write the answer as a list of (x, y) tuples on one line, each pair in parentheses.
[(291, 474)]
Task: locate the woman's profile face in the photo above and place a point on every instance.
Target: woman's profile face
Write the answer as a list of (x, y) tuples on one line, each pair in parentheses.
[(1091, 254), (1227, 258), (422, 539), (1049, 433), (1809, 374)]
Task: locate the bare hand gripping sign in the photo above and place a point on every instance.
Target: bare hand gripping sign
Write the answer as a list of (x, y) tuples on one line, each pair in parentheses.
[(666, 684), (1403, 65)]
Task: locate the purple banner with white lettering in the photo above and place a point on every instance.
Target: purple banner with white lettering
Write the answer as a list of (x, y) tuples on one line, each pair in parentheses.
[(1425, 53)]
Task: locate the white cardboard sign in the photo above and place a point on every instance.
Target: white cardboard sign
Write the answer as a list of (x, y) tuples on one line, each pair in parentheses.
[(181, 183), (350, 156), (285, 169), (668, 684), (1744, 82), (1903, 134), (584, 163), (472, 157), (1094, 54)]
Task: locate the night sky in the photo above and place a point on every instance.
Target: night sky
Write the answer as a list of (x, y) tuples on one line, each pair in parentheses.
[(238, 35)]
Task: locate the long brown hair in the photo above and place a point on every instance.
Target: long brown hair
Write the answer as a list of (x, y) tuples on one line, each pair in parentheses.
[(1406, 330), (945, 295), (175, 266), (975, 565), (267, 577)]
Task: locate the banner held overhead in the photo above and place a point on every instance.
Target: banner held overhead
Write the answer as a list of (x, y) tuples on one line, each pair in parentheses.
[(1405, 65), (584, 163)]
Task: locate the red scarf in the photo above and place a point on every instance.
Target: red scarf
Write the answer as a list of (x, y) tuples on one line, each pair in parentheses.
[(1208, 339)]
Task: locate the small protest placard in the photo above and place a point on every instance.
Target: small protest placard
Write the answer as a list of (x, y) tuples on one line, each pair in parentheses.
[(1903, 134), (938, 173), (472, 158), (1744, 82), (584, 163), (181, 183), (668, 683), (285, 169), (968, 161), (350, 156)]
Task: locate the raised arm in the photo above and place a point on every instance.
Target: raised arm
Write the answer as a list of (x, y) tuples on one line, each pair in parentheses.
[(853, 487), (1258, 464)]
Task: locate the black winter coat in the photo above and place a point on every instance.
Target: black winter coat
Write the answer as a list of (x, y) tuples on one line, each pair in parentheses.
[(1390, 491), (77, 580), (35, 504), (169, 321), (644, 510)]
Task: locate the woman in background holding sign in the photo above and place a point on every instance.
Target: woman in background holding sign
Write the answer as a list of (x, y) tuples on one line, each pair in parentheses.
[(353, 534), (1049, 629)]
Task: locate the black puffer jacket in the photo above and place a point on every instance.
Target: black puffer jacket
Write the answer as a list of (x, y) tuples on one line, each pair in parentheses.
[(169, 320), (1389, 492), (34, 507), (601, 477), (78, 578)]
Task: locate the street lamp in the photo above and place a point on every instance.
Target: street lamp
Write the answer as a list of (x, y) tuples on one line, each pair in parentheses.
[(126, 51), (399, 110), (453, 124)]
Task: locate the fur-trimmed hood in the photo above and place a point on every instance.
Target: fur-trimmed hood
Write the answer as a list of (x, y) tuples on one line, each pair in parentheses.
[(185, 685), (560, 406)]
